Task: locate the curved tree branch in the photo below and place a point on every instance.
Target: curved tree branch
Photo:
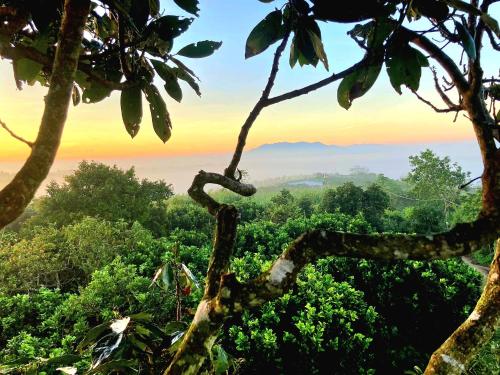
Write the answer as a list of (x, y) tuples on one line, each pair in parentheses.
[(18, 193), (452, 357), (436, 53), (202, 178), (261, 103)]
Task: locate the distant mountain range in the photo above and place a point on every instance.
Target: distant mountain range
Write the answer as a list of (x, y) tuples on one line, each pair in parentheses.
[(271, 161), (313, 147)]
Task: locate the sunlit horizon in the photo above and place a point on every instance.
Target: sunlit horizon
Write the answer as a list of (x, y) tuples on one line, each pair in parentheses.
[(230, 87)]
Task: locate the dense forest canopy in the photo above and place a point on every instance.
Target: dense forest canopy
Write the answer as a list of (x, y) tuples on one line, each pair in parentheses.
[(333, 275)]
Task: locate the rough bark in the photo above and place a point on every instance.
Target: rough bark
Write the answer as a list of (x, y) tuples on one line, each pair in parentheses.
[(200, 337), (461, 347), (18, 193)]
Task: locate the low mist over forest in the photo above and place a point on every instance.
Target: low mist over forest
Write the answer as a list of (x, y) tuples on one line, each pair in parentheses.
[(278, 160)]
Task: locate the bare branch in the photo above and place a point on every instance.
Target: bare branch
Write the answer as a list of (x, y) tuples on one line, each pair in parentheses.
[(493, 42), (315, 86), (261, 103), (14, 135), (470, 182), (436, 109), (18, 193)]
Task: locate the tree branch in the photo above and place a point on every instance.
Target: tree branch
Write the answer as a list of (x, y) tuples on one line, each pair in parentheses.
[(197, 193), (436, 109), (436, 53), (19, 52), (461, 347), (315, 86), (18, 193), (14, 135), (261, 103)]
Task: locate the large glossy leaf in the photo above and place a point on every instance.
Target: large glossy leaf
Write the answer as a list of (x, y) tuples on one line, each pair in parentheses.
[(131, 107), (167, 276), (318, 48), (467, 40), (220, 360), (169, 27), (200, 49), (105, 347), (190, 80), (190, 6), (95, 93), (404, 67), (174, 327), (26, 69), (92, 335), (159, 114), (169, 75), (189, 275), (267, 32), (357, 84)]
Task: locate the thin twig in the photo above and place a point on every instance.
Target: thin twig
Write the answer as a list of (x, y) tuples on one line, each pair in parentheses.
[(470, 182), (442, 94), (14, 135), (438, 110)]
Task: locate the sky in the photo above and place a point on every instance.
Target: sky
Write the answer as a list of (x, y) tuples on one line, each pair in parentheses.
[(230, 87)]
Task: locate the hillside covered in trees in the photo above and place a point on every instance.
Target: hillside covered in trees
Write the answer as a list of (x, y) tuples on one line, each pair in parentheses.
[(105, 246)]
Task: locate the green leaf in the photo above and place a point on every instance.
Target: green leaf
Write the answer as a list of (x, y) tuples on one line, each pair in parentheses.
[(169, 27), (200, 49), (190, 6), (131, 106), (26, 69), (467, 40), (95, 93), (114, 365), (220, 361), (318, 48), (142, 316), (66, 359), (167, 276), (463, 6), (186, 77), (404, 67), (142, 346), (92, 335), (75, 96), (168, 74), (159, 113), (154, 7), (174, 326), (189, 275), (357, 84), (491, 23), (267, 32)]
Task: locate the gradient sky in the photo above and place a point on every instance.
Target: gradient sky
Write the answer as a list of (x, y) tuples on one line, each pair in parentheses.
[(230, 86)]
